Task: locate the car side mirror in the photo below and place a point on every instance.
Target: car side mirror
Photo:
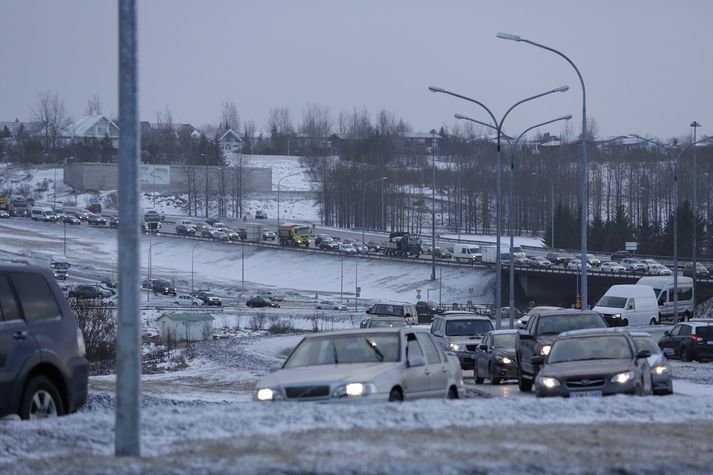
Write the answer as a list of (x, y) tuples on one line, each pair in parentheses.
[(483, 347), (643, 354), (526, 336), (538, 360), (416, 361), (667, 333), (368, 311)]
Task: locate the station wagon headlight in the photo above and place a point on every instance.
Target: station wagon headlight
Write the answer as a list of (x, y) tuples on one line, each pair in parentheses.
[(622, 378), (661, 369), (545, 350), (267, 394), (455, 347), (504, 359), (549, 383), (354, 390)]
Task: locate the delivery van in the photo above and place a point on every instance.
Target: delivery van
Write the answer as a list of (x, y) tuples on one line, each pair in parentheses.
[(663, 288), (467, 253), (626, 304)]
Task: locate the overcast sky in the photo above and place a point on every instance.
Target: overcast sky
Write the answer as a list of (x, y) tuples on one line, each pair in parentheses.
[(647, 64)]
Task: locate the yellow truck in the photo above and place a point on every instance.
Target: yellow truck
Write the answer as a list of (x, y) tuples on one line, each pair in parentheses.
[(294, 235)]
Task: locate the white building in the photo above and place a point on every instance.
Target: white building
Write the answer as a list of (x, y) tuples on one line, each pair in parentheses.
[(184, 327), (91, 128)]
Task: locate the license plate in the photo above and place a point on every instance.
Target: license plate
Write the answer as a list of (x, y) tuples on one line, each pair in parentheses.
[(586, 394), (710, 342)]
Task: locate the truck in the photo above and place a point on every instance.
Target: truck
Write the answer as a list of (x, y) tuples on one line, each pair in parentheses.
[(60, 267), (151, 222), (251, 232), (4, 203), (18, 205), (294, 235), (490, 253), (406, 245)]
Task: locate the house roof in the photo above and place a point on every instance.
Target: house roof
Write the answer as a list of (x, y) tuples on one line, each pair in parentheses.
[(188, 317), (80, 127)]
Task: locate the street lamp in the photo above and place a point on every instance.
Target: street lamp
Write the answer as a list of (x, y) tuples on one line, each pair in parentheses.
[(512, 144), (279, 182), (694, 125), (552, 206), (433, 205), (669, 150), (192, 251), (498, 125), (584, 190)]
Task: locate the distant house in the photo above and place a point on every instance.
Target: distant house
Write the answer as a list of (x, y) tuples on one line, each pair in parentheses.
[(91, 128), (229, 141), (12, 132), (184, 327)]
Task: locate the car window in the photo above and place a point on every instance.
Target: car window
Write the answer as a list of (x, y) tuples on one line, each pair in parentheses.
[(556, 324), (432, 356), (685, 293), (468, 327), (7, 299), (341, 349), (36, 297), (412, 346), (705, 332), (685, 330), (676, 330), (504, 340), (646, 343), (590, 348)]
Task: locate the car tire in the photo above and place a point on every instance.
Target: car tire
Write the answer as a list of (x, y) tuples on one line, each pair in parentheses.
[(524, 385), (41, 400), (653, 322), (452, 393), (686, 355), (493, 380), (396, 395), (478, 379)]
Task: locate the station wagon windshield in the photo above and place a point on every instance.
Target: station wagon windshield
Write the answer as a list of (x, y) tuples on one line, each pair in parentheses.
[(592, 348), (345, 349), (614, 302), (468, 327)]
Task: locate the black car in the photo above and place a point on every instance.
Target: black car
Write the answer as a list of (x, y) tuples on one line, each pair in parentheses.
[(114, 222), (620, 255), (209, 298), (701, 271), (163, 287), (96, 219), (71, 219), (44, 369), (328, 245), (495, 357), (692, 340), (261, 302), (426, 311), (442, 253)]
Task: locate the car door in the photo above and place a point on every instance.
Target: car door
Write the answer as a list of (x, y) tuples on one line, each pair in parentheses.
[(682, 340), (438, 368), (666, 343), (416, 380), (526, 347), (16, 345), (481, 356)]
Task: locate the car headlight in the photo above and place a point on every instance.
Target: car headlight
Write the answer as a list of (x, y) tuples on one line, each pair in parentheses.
[(545, 350), (354, 390), (661, 369), (455, 347), (616, 315), (622, 378), (549, 383), (267, 394), (504, 359)]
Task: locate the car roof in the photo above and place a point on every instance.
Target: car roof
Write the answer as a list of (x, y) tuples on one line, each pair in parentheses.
[(503, 332), (593, 332), (567, 312), (462, 316), (357, 331)]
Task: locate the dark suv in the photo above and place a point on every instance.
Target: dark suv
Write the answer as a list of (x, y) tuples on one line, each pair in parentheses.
[(541, 331), (692, 340), (44, 371), (164, 287), (209, 298)]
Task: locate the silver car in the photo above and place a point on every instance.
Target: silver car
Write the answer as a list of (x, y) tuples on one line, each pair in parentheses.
[(386, 364), (661, 371)]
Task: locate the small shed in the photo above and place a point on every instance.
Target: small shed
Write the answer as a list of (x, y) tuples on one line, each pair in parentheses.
[(185, 327)]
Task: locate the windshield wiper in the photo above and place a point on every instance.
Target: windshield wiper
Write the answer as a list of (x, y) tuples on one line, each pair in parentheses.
[(378, 352), (334, 352)]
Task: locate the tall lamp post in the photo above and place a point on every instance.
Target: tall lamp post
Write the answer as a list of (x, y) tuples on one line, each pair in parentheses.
[(433, 205), (694, 205), (279, 182), (584, 178), (498, 125), (192, 251), (512, 144), (552, 206), (675, 158)]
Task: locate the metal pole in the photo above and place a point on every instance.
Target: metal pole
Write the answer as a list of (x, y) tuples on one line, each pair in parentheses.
[(511, 230), (128, 382), (193, 250), (695, 125), (552, 209), (440, 285), (498, 260), (675, 241), (205, 162), (65, 238), (242, 263), (433, 206), (356, 282), (341, 282), (383, 223)]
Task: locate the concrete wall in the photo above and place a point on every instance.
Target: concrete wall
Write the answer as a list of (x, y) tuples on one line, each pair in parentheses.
[(184, 331), (86, 176)]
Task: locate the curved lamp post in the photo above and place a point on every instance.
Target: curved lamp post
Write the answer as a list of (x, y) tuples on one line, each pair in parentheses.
[(675, 158), (584, 190), (498, 126), (512, 145)]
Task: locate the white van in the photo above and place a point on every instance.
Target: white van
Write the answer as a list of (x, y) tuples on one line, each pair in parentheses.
[(663, 288), (628, 304), (42, 214), (467, 253)]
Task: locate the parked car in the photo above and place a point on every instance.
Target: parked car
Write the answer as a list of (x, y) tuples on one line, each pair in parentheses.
[(611, 266), (220, 236), (407, 311), (426, 311), (541, 331), (114, 222), (187, 300), (619, 255), (658, 269), (540, 262), (329, 305), (260, 214), (385, 364), (591, 363), (207, 231), (495, 357), (4, 214), (593, 260), (163, 287), (267, 234), (185, 227), (44, 370), (692, 340), (383, 322), (259, 301), (701, 271), (209, 298), (112, 284), (96, 219), (88, 292), (576, 264), (461, 334), (71, 219), (633, 265), (661, 371), (442, 253)]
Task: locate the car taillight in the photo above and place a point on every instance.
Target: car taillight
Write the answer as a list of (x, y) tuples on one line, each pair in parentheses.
[(696, 339)]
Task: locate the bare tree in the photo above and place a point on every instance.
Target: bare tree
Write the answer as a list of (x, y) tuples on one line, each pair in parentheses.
[(249, 134), (52, 114), (279, 121), (229, 116), (94, 106)]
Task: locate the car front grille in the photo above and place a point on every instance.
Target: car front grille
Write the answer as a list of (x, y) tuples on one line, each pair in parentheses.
[(305, 392), (471, 347), (585, 383)]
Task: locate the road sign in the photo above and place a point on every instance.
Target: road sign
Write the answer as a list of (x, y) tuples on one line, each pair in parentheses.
[(418, 296), (631, 245), (358, 289)]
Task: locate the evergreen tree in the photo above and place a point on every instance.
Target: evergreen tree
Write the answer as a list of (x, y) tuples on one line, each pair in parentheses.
[(685, 235)]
